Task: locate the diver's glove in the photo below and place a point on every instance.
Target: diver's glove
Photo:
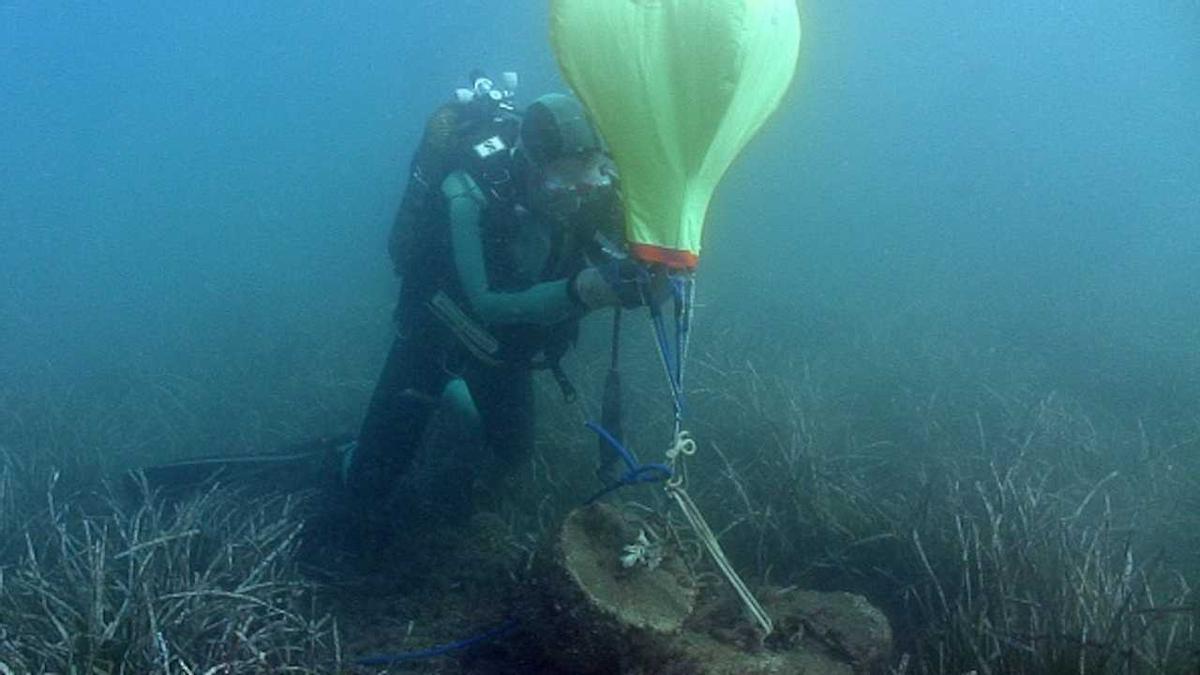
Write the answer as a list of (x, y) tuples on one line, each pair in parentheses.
[(629, 280), (615, 283), (589, 289)]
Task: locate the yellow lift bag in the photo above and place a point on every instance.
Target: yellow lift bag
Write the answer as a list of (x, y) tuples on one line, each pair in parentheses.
[(676, 88)]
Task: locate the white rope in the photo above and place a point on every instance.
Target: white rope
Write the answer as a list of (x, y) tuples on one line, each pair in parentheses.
[(685, 446), (696, 520)]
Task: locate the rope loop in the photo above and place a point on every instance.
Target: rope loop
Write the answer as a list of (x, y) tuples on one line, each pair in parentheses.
[(684, 445)]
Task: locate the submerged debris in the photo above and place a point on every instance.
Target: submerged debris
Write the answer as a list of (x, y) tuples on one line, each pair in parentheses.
[(641, 612)]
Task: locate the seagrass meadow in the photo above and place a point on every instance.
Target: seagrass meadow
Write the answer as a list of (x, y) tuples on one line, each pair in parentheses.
[(943, 364), (1002, 523)]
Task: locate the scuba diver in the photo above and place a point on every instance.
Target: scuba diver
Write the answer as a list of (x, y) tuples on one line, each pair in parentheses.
[(508, 234)]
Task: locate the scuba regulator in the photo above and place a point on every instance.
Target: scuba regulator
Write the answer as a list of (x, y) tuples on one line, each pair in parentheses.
[(485, 93)]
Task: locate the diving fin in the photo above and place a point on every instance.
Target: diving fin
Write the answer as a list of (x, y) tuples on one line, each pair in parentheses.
[(307, 465)]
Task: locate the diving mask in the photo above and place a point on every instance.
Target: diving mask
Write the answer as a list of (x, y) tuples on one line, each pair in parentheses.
[(568, 182)]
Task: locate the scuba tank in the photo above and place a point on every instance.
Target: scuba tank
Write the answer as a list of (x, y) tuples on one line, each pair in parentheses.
[(479, 123)]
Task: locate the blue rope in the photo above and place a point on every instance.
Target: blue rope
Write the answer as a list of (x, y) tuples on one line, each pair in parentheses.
[(680, 287), (439, 650), (681, 290), (664, 350), (635, 472)]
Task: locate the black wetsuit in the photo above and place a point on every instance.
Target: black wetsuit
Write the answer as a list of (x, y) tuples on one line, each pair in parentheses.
[(509, 270)]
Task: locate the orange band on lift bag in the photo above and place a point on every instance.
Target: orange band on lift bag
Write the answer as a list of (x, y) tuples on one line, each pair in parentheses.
[(679, 260)]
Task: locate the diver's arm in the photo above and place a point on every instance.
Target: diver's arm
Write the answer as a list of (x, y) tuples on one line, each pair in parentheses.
[(544, 303)]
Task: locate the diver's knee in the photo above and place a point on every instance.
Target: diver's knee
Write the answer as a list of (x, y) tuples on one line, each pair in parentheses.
[(460, 405)]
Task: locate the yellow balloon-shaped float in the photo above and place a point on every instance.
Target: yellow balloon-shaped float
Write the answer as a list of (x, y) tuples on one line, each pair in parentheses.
[(676, 88)]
